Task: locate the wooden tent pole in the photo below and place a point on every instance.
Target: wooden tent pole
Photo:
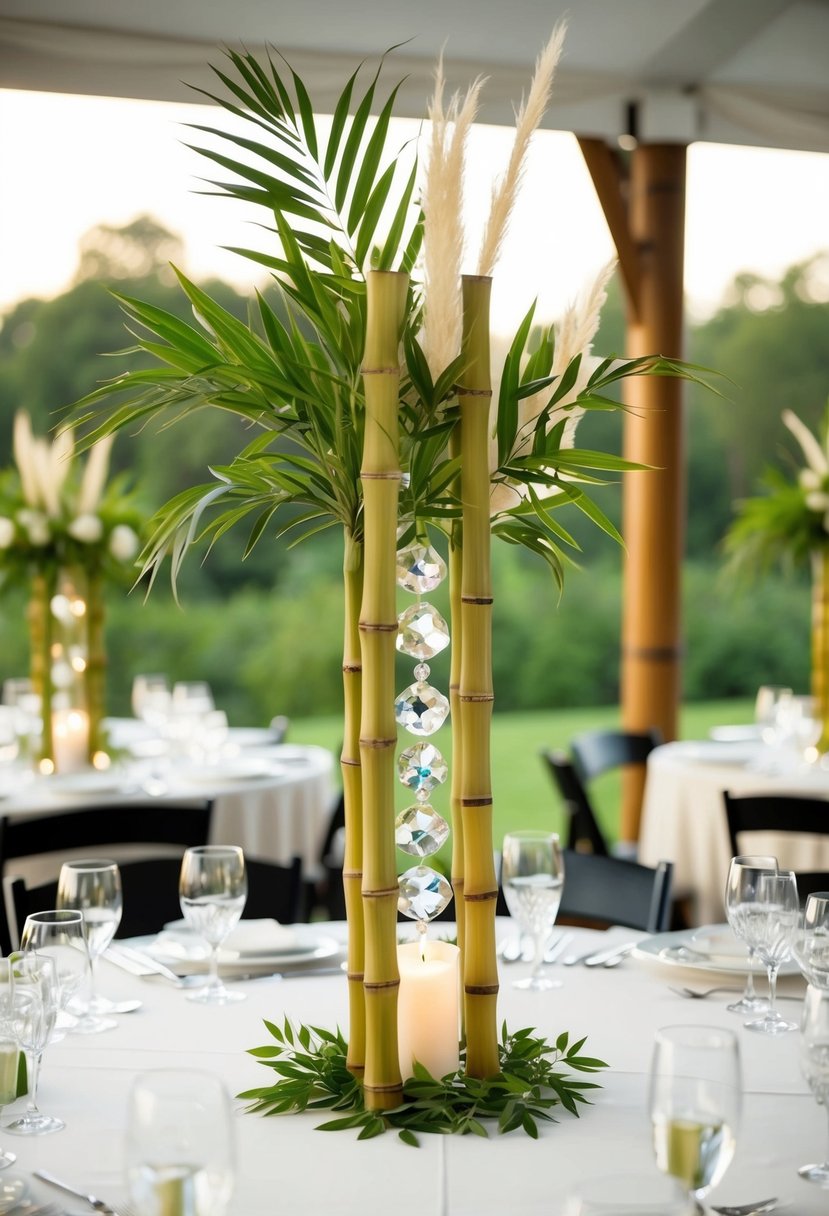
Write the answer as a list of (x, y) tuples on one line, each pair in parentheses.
[(651, 248)]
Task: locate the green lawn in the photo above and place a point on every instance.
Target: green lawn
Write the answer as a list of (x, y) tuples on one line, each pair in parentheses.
[(523, 791)]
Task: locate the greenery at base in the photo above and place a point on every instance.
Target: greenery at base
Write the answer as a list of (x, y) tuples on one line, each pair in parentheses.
[(310, 1064)]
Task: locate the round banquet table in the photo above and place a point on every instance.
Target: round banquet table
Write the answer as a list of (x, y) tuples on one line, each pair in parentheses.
[(286, 1166), (683, 816), (276, 814)]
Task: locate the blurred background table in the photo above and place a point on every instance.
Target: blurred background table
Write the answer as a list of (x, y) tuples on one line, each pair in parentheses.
[(684, 820)]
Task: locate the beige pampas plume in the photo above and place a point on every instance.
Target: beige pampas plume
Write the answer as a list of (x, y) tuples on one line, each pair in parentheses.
[(94, 476), (574, 334), (526, 121), (443, 235), (23, 447)]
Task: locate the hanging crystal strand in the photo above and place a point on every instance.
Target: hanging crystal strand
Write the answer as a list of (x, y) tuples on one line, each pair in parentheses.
[(419, 830)]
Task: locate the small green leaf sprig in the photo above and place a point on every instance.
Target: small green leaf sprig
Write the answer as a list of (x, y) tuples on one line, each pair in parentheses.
[(310, 1063)]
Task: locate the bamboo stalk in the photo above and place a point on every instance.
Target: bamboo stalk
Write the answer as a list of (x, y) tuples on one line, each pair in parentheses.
[(353, 803), (40, 658), (475, 695), (455, 576), (380, 473), (95, 671), (820, 644)]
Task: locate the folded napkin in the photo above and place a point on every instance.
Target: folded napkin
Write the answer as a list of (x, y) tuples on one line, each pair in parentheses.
[(252, 937)]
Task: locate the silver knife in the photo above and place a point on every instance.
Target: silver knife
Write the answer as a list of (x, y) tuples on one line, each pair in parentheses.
[(610, 957), (558, 947)]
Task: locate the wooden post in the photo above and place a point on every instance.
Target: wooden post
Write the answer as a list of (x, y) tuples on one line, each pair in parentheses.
[(645, 211), (654, 501)]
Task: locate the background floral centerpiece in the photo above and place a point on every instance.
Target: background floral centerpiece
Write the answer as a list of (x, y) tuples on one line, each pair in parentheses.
[(789, 524), (64, 533)]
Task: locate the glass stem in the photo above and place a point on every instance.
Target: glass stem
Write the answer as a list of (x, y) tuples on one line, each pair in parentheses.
[(33, 1059), (750, 994), (772, 969), (538, 957), (213, 978)]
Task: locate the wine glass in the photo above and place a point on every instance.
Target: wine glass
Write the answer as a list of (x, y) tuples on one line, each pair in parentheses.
[(213, 888), (532, 876), (94, 887), (811, 943), (9, 1051), (179, 1148), (770, 698), (151, 699), (814, 1064), (34, 998), (694, 1104), (743, 875), (774, 916), (60, 934)]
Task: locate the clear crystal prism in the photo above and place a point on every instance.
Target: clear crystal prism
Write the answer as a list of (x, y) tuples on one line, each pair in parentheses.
[(422, 768), (423, 893), (421, 631), (421, 709), (420, 830), (420, 568)]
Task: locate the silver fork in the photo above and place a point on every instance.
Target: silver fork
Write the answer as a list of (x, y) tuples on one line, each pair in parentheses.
[(697, 995), (100, 1205)]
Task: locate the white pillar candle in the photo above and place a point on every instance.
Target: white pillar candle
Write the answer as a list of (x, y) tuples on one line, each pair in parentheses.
[(70, 740), (428, 1007)]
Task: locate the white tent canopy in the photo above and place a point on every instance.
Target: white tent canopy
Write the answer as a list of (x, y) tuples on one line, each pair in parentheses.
[(730, 71)]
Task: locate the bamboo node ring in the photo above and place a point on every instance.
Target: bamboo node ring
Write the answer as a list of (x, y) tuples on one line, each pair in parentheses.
[(376, 985), (476, 698), (483, 801), (480, 897), (481, 989), (365, 475), (484, 600), (377, 627), (391, 370), (379, 892), (472, 392), (378, 744)]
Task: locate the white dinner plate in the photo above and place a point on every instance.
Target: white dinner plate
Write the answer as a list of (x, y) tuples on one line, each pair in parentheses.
[(185, 952), (245, 768), (252, 736), (91, 781), (749, 732), (710, 751), (704, 949)]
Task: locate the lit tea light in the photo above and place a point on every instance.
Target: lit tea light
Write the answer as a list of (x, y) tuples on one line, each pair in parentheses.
[(101, 761)]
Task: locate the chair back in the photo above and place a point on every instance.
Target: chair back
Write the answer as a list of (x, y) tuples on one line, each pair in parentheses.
[(151, 900), (175, 826), (598, 751), (602, 891), (784, 813), (584, 832)]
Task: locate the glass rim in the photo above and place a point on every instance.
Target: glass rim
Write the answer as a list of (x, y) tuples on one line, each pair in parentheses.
[(215, 849), (532, 834), (85, 864), (696, 1034), (56, 916)]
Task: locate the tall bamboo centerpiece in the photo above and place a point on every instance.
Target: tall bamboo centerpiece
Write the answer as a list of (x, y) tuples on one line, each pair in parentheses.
[(353, 803), (40, 659), (820, 644), (96, 662), (380, 474), (456, 790), (475, 695)]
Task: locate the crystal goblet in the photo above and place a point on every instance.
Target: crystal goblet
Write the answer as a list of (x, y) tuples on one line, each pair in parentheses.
[(94, 886), (744, 873), (532, 876), (213, 889)]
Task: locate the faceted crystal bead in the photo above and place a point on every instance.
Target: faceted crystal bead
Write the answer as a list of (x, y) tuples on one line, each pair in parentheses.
[(421, 709), (423, 893), (420, 830), (420, 568), (421, 632), (422, 768)]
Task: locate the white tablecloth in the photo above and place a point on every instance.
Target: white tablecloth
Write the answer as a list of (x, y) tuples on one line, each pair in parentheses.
[(683, 818), (285, 1166), (273, 817)]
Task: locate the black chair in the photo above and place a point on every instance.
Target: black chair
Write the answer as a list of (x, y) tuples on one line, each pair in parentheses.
[(584, 832), (150, 891), (784, 813), (328, 891), (599, 751), (602, 891), (172, 826)]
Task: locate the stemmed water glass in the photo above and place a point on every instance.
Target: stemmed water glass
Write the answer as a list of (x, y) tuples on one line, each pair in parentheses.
[(179, 1149), (773, 918), (532, 877), (8, 1053), (213, 888), (744, 873), (694, 1104), (94, 887), (811, 944), (60, 934), (814, 1064), (34, 997)]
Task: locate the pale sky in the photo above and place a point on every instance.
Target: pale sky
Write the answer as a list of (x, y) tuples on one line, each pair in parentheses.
[(71, 162)]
